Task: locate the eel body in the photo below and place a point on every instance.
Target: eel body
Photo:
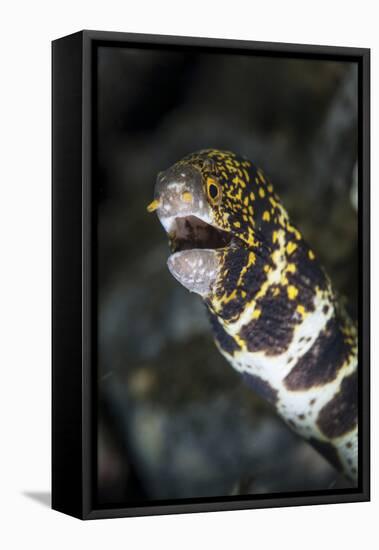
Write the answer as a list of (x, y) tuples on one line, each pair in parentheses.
[(274, 314)]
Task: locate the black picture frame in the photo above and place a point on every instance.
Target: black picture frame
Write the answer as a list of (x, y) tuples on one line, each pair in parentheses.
[(74, 275)]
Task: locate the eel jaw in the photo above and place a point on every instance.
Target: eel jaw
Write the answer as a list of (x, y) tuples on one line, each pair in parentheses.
[(195, 260), (183, 210), (195, 269)]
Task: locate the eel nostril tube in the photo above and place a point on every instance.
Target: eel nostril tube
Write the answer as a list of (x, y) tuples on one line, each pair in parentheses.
[(153, 206)]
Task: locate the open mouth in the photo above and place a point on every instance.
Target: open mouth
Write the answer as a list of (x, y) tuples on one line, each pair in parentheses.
[(189, 232)]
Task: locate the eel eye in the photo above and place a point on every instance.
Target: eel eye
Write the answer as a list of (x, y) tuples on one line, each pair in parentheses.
[(213, 190)]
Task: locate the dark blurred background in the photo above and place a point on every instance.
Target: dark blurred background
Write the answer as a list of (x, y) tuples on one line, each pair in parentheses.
[(175, 420)]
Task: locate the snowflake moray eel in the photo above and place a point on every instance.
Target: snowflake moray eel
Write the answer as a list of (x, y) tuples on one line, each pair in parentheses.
[(273, 311)]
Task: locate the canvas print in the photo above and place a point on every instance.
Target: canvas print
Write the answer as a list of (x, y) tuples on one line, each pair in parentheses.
[(226, 199)]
